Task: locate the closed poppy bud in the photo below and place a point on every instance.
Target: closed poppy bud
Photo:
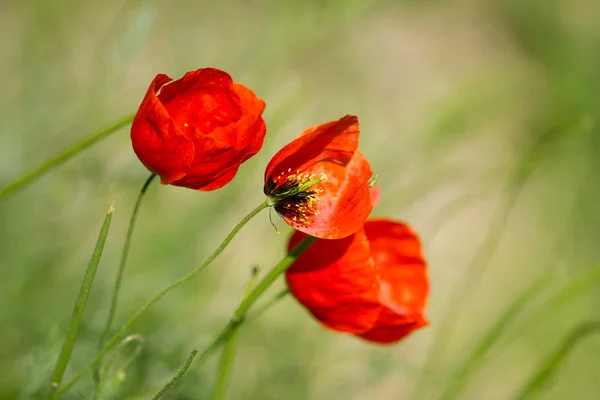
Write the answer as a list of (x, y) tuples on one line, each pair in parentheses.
[(319, 183), (372, 284), (198, 130)]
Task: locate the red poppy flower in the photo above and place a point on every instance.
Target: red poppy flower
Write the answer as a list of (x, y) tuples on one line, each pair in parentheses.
[(372, 284), (198, 130), (319, 183)]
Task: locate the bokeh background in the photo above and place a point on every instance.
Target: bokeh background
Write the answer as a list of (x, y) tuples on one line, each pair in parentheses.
[(480, 117)]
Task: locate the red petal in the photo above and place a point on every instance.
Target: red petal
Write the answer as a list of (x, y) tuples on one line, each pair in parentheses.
[(218, 161), (337, 282), (391, 327), (397, 253), (204, 100), (251, 128), (375, 195), (345, 202), (332, 142), (200, 129), (158, 143)]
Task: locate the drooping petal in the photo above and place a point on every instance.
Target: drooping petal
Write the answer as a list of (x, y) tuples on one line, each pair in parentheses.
[(391, 327), (337, 282), (338, 205), (397, 253)]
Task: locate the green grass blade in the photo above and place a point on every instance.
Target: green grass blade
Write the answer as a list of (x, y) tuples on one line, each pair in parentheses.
[(571, 291), (75, 149), (119, 278), (228, 354), (122, 332), (484, 254), (548, 368), (84, 293), (240, 313), (461, 377)]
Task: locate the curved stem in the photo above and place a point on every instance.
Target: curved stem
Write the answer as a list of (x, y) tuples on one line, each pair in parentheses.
[(240, 313), (119, 335), (64, 156), (279, 269), (179, 373), (115, 296), (131, 338), (86, 287)]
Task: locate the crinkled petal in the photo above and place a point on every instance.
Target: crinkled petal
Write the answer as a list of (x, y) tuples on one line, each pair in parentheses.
[(199, 129), (345, 201), (157, 141), (332, 143), (391, 327), (251, 128), (217, 161), (202, 101), (397, 253), (337, 282)]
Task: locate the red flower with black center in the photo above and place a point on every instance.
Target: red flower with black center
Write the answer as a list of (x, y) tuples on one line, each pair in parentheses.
[(198, 130), (372, 284), (319, 183)]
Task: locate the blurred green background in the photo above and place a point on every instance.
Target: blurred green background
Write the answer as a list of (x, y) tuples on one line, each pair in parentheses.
[(480, 117)]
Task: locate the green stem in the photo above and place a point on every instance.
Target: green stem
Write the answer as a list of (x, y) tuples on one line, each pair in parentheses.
[(131, 338), (115, 296), (238, 316), (225, 365), (260, 310), (121, 333), (84, 293), (279, 269), (229, 351), (64, 156), (179, 373)]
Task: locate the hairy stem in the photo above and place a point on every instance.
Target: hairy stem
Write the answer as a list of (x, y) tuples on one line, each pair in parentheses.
[(123, 331), (240, 312)]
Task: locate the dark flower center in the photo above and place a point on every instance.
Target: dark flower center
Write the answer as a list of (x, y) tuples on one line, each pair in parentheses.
[(294, 197)]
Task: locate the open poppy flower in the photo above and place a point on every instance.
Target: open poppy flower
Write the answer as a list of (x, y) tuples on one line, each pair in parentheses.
[(319, 183), (198, 130), (372, 284)]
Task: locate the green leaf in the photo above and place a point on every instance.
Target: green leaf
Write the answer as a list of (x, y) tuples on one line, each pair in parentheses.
[(84, 293)]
